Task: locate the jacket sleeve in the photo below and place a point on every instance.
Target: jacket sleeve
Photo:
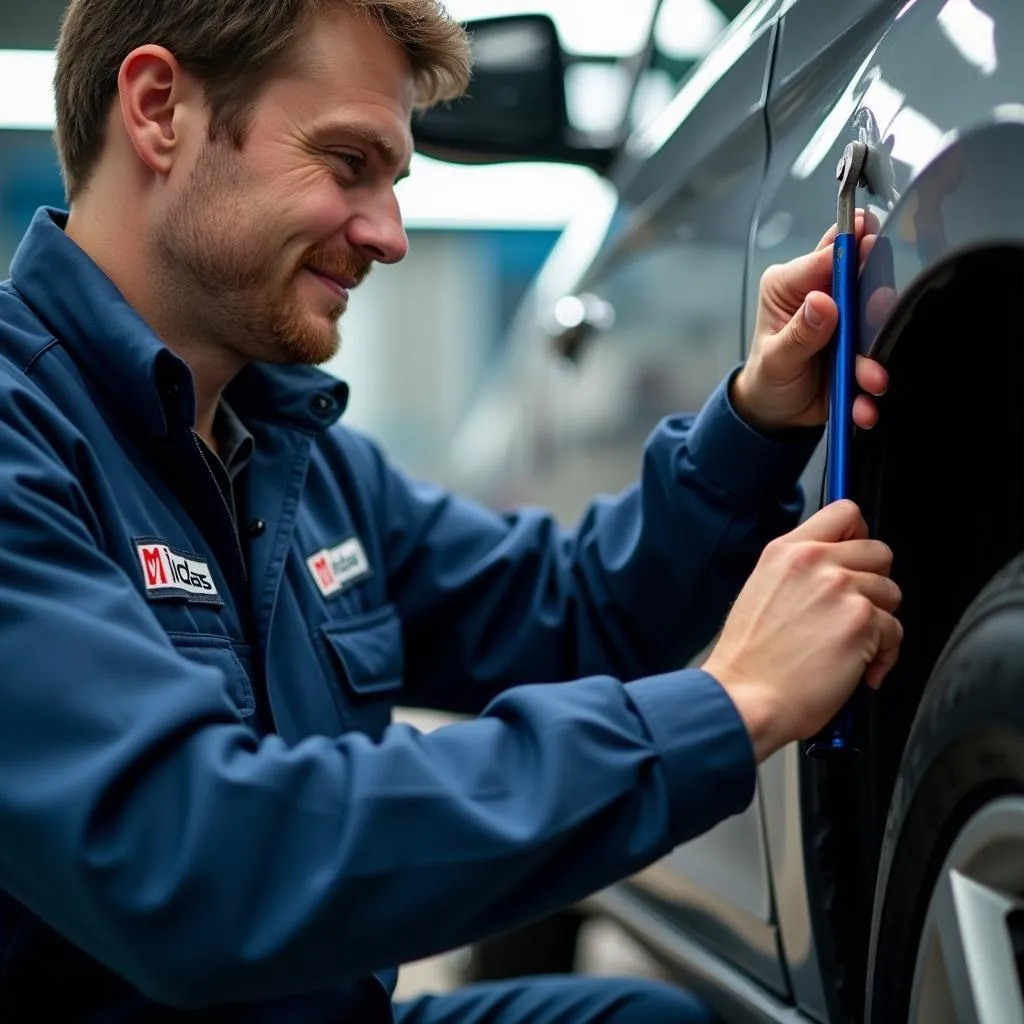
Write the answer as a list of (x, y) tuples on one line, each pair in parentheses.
[(147, 824), (640, 586)]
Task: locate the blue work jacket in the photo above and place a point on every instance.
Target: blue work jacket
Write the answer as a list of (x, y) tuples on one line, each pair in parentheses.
[(202, 802)]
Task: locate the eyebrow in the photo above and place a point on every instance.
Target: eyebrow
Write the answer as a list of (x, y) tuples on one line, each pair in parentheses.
[(371, 137)]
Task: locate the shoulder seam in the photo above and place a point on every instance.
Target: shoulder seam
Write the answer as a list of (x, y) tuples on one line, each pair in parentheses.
[(30, 365)]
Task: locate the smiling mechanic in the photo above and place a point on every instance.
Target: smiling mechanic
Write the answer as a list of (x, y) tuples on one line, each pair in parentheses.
[(212, 594)]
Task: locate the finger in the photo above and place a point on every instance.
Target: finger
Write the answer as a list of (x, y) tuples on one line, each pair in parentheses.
[(828, 238), (788, 353), (890, 632), (865, 412), (864, 223), (811, 272), (839, 520), (881, 591), (872, 376), (867, 243), (870, 224), (861, 554)]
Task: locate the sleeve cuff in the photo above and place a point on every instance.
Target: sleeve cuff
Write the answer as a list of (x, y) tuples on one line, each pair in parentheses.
[(704, 747), (739, 460)]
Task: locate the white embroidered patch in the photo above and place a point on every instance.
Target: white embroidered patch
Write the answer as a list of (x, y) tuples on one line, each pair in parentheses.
[(169, 573), (336, 568)]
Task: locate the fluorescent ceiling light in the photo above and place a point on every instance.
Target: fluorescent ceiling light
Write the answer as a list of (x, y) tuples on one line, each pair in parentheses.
[(538, 196), (688, 28), (26, 89)]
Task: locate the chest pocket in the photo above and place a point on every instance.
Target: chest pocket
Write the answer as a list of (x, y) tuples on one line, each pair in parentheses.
[(364, 654), (232, 660)]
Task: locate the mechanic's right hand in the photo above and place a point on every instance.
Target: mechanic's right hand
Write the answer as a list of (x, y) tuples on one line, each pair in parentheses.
[(814, 618)]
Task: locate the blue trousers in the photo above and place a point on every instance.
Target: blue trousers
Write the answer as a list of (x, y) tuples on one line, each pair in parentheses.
[(555, 999)]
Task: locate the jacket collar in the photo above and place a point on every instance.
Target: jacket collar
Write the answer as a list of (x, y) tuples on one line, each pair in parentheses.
[(121, 353)]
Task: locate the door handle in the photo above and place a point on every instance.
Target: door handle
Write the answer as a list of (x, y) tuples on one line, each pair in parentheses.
[(878, 171)]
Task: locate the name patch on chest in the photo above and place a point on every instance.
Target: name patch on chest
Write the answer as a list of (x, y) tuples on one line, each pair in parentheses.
[(339, 567), (172, 574)]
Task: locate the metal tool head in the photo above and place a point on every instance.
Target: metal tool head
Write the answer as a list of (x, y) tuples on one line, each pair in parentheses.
[(849, 174)]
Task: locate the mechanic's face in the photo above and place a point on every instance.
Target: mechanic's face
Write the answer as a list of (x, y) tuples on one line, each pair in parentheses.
[(260, 247)]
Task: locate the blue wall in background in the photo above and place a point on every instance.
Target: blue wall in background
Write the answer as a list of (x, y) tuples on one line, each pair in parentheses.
[(29, 178), (518, 256)]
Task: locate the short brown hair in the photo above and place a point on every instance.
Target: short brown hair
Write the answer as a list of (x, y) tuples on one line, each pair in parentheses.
[(234, 47)]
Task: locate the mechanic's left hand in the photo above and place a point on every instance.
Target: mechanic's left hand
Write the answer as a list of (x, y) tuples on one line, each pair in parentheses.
[(784, 382)]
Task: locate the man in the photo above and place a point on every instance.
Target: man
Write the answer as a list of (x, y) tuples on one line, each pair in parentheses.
[(212, 593)]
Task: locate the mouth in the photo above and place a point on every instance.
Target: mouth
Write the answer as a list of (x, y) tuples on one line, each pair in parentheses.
[(338, 285)]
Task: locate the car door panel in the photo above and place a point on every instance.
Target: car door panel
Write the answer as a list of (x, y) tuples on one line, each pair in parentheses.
[(673, 272), (664, 256), (938, 82)]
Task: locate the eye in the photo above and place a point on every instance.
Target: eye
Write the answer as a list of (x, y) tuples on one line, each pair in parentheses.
[(352, 162)]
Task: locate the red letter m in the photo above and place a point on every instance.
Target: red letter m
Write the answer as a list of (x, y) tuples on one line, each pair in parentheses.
[(154, 567)]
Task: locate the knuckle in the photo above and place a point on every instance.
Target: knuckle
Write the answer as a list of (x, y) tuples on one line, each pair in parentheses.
[(848, 509), (775, 550), (860, 614), (833, 579), (802, 558)]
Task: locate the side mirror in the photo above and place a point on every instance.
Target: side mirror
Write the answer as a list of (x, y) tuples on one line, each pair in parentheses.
[(515, 106)]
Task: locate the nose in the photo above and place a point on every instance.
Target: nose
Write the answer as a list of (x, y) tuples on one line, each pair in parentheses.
[(377, 231)]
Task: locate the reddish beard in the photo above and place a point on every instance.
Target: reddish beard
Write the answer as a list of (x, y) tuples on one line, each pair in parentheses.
[(348, 266), (292, 329)]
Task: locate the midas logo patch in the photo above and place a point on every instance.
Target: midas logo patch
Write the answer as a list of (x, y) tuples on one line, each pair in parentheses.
[(336, 568), (172, 574)]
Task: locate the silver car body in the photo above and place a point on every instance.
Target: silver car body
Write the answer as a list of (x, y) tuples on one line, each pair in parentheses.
[(738, 173)]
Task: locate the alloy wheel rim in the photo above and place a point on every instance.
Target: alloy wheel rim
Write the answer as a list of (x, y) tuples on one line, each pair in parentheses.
[(971, 950)]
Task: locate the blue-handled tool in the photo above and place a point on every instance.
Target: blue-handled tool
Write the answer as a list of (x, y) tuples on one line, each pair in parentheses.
[(837, 737)]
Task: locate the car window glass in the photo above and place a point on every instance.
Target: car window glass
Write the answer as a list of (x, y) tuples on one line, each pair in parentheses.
[(685, 30)]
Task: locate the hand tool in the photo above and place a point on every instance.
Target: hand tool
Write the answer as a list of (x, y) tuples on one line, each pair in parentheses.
[(836, 738)]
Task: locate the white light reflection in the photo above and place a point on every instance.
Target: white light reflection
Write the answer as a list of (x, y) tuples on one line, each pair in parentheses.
[(916, 139), (596, 95), (570, 312), (972, 32), (688, 28), (732, 45)]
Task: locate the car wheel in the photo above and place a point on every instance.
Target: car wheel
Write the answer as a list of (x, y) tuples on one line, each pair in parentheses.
[(947, 934), (547, 946)]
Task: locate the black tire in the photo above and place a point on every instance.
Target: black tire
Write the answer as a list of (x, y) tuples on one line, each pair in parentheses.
[(965, 749), (547, 946)]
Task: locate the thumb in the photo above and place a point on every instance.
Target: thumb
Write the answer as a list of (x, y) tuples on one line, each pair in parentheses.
[(807, 333), (840, 520)]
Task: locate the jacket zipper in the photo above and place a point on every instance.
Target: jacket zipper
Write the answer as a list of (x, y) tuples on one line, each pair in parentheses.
[(227, 508)]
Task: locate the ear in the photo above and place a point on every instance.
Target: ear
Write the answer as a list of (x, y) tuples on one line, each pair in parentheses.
[(158, 101)]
